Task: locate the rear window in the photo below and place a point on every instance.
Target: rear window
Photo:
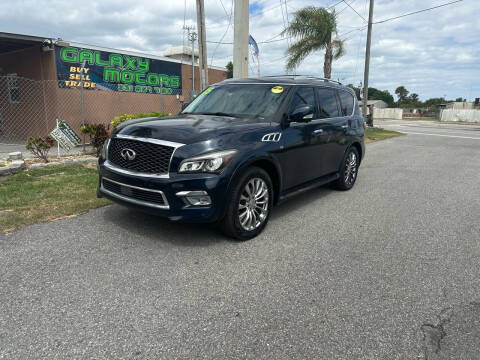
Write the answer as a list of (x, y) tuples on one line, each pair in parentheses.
[(346, 101), (328, 105)]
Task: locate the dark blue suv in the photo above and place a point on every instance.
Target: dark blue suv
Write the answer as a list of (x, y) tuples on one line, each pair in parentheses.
[(238, 149)]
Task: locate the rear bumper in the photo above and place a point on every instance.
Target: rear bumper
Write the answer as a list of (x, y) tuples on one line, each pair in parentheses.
[(174, 207)]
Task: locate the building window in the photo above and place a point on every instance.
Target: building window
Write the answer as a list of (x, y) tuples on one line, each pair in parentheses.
[(13, 90)]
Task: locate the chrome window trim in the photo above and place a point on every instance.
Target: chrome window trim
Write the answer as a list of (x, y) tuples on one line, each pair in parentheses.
[(166, 205), (120, 170)]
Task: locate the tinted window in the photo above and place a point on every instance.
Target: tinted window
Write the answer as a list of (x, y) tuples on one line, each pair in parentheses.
[(303, 96), (346, 100), (239, 100), (327, 103)]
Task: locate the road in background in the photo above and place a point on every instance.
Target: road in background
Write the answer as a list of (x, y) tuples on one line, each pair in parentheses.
[(432, 128), (388, 270)]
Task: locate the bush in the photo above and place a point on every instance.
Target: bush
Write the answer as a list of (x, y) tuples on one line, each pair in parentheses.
[(40, 146), (124, 117), (98, 134)]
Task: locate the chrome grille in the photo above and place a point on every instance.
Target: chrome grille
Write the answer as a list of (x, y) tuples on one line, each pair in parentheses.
[(149, 157)]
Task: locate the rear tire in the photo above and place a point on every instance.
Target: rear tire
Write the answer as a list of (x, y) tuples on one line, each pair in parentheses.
[(348, 170), (249, 205)]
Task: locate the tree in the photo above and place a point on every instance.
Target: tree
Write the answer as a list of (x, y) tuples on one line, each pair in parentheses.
[(229, 70), (375, 94), (414, 97), (460, 99), (402, 94), (315, 28)]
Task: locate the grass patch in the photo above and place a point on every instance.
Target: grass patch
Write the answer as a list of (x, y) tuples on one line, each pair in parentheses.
[(372, 135), (47, 194)]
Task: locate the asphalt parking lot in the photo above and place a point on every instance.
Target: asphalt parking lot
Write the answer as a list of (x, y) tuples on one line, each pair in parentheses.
[(388, 270)]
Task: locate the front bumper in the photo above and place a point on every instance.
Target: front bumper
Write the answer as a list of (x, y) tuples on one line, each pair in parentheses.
[(170, 188)]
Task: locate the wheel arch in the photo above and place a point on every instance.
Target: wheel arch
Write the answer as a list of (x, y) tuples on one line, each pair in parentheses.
[(270, 166), (357, 146)]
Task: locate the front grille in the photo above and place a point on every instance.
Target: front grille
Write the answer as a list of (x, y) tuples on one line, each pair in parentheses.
[(149, 158), (144, 195)]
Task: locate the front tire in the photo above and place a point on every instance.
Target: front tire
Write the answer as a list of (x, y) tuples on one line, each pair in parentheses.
[(249, 205), (348, 170)]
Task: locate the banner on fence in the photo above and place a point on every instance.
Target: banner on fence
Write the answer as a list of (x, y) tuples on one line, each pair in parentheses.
[(105, 70), (65, 136)]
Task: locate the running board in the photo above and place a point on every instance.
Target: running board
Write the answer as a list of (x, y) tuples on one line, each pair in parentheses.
[(308, 186)]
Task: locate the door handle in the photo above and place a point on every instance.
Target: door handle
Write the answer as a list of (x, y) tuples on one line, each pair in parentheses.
[(318, 131)]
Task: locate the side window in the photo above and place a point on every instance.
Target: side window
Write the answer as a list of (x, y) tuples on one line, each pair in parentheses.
[(327, 103), (346, 101), (303, 96)]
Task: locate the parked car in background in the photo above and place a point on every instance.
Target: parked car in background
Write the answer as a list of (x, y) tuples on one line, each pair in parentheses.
[(242, 146)]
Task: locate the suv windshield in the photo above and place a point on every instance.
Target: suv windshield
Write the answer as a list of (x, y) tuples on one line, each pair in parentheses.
[(241, 100)]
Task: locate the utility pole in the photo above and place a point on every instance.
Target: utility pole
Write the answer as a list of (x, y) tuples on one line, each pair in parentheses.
[(192, 37), (202, 45), (367, 64), (240, 39)]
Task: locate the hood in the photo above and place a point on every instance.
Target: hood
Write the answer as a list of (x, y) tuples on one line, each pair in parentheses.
[(189, 129)]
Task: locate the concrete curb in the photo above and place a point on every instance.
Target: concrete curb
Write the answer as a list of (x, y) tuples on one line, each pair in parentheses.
[(64, 163), (15, 167)]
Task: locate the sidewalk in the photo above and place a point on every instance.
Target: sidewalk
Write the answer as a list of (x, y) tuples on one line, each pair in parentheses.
[(5, 149)]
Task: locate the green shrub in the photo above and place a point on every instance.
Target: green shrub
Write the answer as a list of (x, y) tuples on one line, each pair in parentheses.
[(40, 146), (124, 117), (98, 134)]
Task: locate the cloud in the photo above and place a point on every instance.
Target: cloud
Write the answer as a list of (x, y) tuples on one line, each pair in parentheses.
[(433, 53)]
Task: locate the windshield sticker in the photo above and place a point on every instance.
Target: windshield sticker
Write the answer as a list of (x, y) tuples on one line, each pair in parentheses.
[(277, 89)]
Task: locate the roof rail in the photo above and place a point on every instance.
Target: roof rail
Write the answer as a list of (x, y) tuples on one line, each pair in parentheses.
[(304, 77)]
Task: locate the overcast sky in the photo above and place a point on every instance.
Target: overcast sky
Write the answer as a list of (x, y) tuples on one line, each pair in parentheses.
[(434, 53)]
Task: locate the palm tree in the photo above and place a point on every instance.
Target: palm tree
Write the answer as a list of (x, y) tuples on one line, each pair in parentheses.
[(315, 28)]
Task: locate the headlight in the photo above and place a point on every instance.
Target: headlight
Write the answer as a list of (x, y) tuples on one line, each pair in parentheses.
[(103, 153), (213, 162)]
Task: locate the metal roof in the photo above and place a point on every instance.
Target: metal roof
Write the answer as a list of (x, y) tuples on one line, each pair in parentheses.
[(12, 42)]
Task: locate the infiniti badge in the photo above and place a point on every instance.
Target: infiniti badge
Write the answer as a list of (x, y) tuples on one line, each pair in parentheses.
[(128, 154)]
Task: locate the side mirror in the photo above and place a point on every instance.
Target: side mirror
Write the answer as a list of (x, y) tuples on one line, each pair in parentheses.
[(300, 112), (184, 105)]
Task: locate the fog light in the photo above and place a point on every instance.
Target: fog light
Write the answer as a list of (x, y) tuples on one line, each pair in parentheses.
[(195, 198), (199, 200)]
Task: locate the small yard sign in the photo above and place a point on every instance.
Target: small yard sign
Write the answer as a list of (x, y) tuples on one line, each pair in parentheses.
[(65, 136)]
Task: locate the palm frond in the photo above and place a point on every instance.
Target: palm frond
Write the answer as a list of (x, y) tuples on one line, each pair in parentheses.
[(299, 50), (338, 48), (312, 21)]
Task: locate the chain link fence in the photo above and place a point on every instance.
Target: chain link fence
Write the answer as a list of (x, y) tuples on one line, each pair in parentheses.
[(31, 107)]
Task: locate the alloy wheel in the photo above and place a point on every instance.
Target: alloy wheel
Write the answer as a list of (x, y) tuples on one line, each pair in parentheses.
[(253, 204)]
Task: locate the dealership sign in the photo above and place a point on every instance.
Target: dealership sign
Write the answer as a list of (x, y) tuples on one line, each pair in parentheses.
[(104, 70)]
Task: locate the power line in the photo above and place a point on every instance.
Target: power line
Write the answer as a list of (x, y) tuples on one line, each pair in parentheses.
[(417, 12), (268, 9), (225, 33), (346, 7), (332, 6), (349, 32), (356, 12), (258, 42)]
